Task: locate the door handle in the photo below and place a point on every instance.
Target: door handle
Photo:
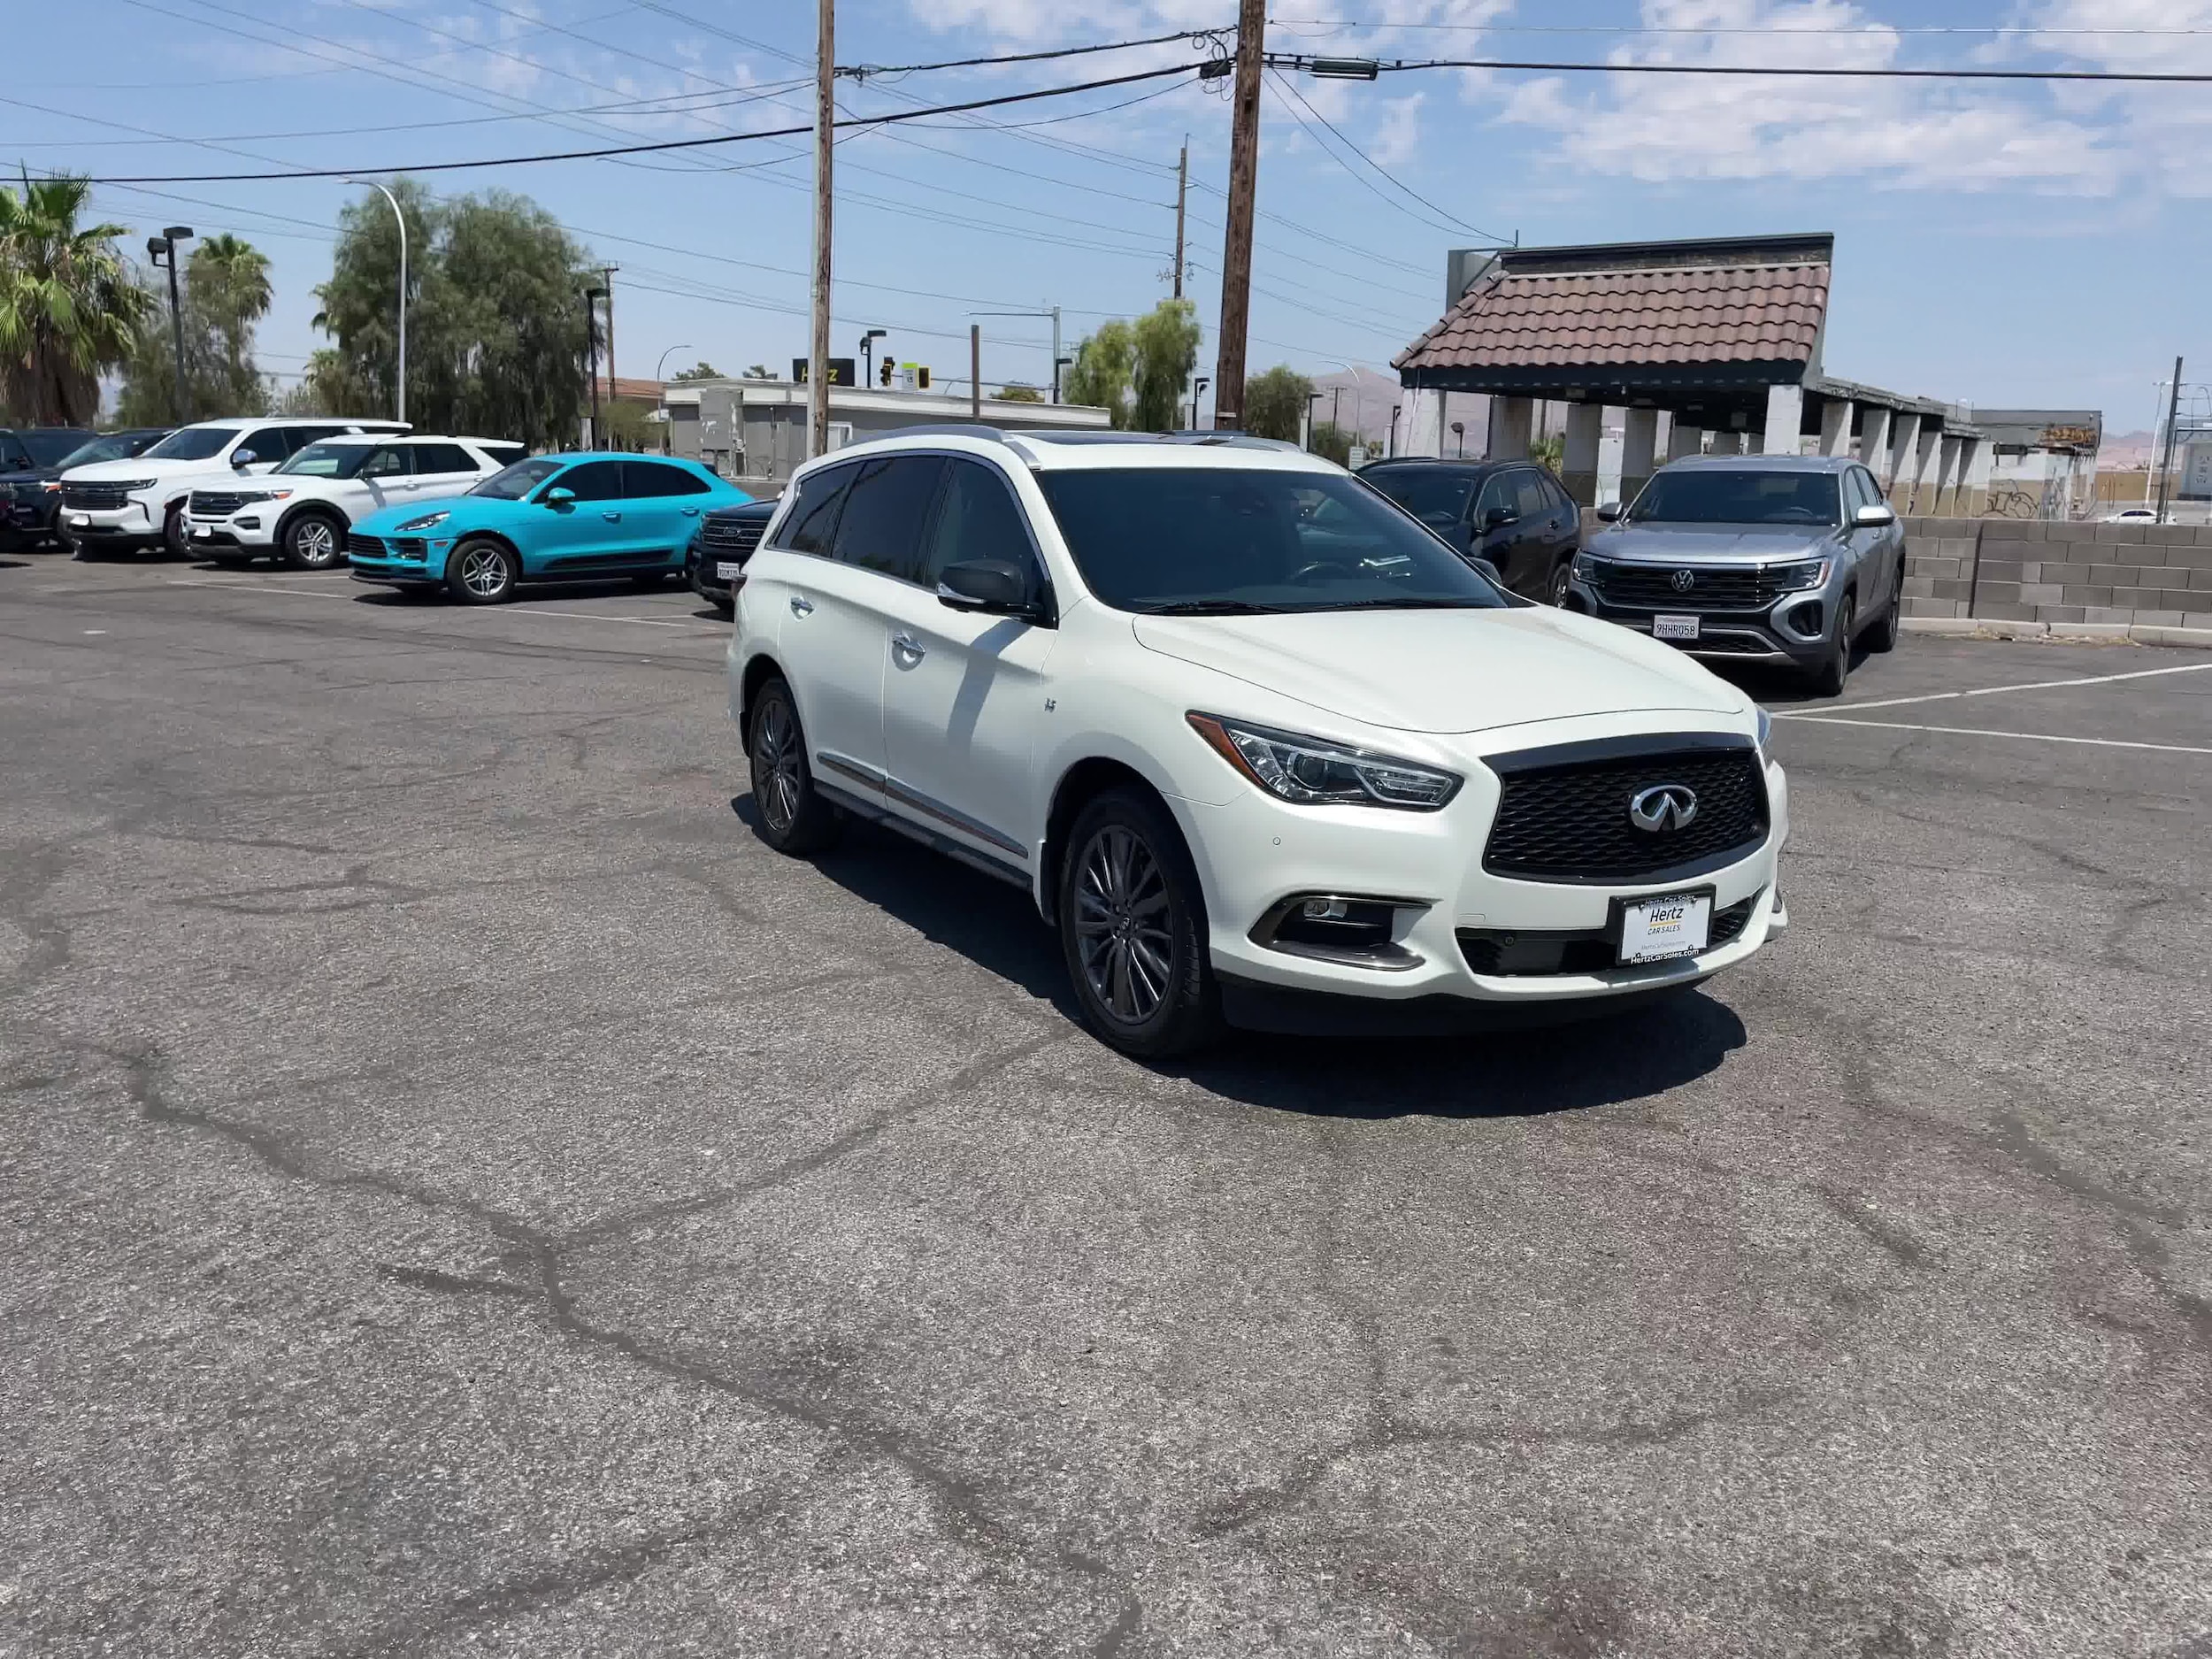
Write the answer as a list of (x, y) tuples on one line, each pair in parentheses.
[(802, 606), (689, 512), (908, 649), (611, 518)]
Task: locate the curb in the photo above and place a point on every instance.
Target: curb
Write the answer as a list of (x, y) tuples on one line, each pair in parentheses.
[(2107, 633)]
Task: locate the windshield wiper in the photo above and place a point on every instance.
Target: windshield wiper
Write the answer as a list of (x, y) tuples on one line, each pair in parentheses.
[(1409, 603), (1217, 608)]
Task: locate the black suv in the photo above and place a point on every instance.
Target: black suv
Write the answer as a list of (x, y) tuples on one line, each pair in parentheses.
[(715, 563), (1513, 514), (30, 459)]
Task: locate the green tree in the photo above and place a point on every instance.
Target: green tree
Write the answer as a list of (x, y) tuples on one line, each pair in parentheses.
[(1167, 341), (1332, 440), (1018, 395), (495, 332), (702, 371), (758, 371), (69, 309), (1275, 404), (1099, 377), (223, 292)]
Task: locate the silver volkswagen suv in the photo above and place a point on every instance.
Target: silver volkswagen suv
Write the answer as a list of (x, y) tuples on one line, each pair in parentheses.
[(1753, 558)]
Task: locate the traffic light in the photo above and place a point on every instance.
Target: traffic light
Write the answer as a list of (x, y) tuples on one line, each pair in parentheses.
[(884, 375), (921, 377)]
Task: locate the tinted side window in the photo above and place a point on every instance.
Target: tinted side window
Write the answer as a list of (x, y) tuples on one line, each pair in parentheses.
[(650, 478), (387, 461), (1530, 496), (1871, 484), (812, 520), (978, 518), (442, 457), (881, 527), (269, 443), (1497, 492), (593, 481)]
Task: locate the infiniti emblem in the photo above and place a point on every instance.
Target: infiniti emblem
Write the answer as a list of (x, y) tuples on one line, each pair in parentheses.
[(1684, 580), (1664, 806)]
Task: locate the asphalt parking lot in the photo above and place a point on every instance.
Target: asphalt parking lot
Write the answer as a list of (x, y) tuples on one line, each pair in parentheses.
[(460, 1192)]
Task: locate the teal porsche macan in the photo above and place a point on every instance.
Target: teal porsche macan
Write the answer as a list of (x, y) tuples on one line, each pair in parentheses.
[(551, 519)]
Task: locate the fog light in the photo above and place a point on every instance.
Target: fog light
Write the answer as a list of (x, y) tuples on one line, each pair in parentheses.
[(1357, 932), (1805, 618), (1325, 910)]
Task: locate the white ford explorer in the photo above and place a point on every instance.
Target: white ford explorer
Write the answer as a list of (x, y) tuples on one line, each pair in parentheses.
[(1260, 745)]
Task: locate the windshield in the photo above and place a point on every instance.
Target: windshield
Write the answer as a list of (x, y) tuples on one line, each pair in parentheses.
[(329, 460), (1437, 498), (47, 448), (519, 480), (115, 447), (193, 444), (1739, 496), (1223, 541)]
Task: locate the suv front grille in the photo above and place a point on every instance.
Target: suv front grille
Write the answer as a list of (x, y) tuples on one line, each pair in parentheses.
[(92, 497), (1563, 813), (1652, 587), (365, 547), (220, 503), (732, 535)]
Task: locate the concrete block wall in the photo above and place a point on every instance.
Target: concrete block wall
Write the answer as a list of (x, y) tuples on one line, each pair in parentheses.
[(2013, 569)]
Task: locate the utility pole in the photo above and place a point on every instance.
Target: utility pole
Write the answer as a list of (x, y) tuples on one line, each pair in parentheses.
[(608, 271), (591, 356), (1236, 253), (2166, 455), (824, 129), (975, 372), (1182, 188)]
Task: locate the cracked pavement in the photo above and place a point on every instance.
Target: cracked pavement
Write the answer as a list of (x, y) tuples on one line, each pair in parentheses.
[(460, 1192)]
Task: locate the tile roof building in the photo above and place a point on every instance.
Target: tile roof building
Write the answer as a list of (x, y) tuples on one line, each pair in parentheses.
[(1723, 335)]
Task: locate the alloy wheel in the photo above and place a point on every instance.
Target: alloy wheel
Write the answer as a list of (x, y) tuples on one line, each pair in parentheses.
[(1121, 926), (776, 780), (315, 543), (484, 570)]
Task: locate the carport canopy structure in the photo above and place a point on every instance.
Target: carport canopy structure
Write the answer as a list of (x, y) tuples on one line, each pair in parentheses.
[(1724, 334)]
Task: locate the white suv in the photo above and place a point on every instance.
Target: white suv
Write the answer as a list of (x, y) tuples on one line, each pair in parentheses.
[(303, 511), (1258, 744), (120, 506)]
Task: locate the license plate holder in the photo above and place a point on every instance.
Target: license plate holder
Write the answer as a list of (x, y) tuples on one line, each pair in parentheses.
[(728, 569), (1674, 627), (1662, 926)]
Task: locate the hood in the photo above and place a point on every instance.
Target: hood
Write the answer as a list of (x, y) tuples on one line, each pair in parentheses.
[(34, 475), (466, 512), (147, 467), (1446, 670), (1718, 542)]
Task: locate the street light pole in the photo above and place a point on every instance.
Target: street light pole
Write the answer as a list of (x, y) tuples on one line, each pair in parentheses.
[(660, 369), (399, 413), (162, 250), (2166, 456)]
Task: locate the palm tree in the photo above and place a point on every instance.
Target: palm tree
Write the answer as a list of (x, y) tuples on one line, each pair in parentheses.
[(229, 280), (68, 306)]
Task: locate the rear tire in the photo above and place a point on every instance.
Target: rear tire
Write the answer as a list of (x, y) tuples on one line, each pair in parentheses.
[(1132, 929), (313, 542), (481, 573), (790, 813), (1828, 679)]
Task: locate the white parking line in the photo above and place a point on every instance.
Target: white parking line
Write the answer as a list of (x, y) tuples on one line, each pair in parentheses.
[(1976, 730), (2033, 685), (513, 611)]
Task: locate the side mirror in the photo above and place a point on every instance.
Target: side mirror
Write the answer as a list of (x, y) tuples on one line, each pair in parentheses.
[(557, 497), (242, 457), (1875, 517), (1496, 517), (991, 587), (1611, 513)]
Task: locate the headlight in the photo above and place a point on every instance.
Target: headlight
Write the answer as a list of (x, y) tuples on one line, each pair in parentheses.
[(1766, 729), (1312, 771), (131, 486), (1805, 573), (1587, 568), (428, 521)]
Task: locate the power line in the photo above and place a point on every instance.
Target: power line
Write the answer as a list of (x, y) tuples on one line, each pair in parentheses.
[(1388, 177), (1874, 29), (658, 147), (1807, 72), (869, 71)]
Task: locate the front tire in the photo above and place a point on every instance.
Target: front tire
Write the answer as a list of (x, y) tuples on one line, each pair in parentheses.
[(792, 816), (174, 541), (1884, 637), (313, 542), (1827, 680), (481, 573), (1562, 576), (1133, 928)]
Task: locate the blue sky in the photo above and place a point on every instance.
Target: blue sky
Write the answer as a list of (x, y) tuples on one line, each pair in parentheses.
[(1998, 244)]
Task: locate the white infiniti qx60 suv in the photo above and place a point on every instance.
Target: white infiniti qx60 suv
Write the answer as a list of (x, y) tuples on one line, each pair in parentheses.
[(1261, 748)]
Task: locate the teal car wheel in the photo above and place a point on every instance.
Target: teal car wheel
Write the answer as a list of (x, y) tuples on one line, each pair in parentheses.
[(481, 573)]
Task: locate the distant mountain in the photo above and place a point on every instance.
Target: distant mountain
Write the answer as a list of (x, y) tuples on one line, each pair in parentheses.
[(2124, 449)]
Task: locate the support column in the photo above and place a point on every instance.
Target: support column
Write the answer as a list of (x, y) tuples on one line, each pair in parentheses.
[(1685, 438), (1639, 433), (1727, 443), (1835, 427), (1974, 496), (1511, 420), (1424, 419), (1578, 460), (1904, 440), (1923, 463), (1786, 416), (1874, 438), (1947, 486)]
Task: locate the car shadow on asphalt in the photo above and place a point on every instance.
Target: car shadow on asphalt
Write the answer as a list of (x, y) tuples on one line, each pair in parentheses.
[(1604, 1061)]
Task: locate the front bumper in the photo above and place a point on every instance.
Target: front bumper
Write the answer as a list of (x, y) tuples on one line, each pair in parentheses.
[(1453, 913), (699, 575), (1796, 629), (134, 525), (250, 532)]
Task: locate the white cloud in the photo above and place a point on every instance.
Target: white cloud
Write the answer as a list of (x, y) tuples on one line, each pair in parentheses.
[(1915, 134), (1398, 135)]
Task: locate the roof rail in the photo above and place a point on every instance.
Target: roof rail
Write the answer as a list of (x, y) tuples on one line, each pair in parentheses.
[(941, 429)]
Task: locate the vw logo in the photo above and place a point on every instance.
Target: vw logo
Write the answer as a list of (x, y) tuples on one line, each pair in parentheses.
[(1684, 580), (1664, 806)]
